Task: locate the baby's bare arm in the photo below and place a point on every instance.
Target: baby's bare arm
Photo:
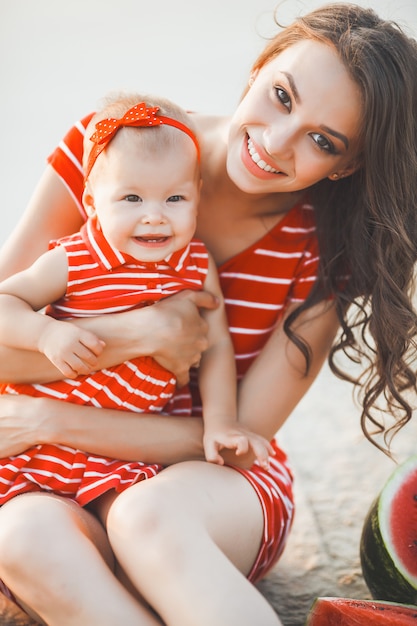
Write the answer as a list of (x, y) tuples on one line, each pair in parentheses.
[(73, 350)]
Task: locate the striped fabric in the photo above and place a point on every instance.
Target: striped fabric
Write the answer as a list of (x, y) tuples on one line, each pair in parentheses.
[(257, 284), (102, 280), (261, 281)]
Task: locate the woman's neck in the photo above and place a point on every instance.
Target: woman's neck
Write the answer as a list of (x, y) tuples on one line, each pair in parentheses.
[(230, 220)]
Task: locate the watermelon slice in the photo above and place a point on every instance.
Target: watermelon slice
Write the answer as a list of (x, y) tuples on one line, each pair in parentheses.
[(388, 547), (348, 612)]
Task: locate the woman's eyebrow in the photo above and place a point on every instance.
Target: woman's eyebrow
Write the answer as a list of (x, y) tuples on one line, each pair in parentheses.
[(336, 134), (294, 89), (296, 95)]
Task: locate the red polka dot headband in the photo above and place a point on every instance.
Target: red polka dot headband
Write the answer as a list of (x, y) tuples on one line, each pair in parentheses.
[(139, 115)]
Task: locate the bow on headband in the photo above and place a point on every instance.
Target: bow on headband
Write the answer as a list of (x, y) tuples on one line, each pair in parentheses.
[(139, 115)]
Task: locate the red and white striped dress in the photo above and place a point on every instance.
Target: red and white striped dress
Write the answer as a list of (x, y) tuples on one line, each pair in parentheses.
[(257, 284), (102, 280)]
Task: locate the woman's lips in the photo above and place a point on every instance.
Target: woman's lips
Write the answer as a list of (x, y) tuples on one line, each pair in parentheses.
[(263, 165), (255, 164)]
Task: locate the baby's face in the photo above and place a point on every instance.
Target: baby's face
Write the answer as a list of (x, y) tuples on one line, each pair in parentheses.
[(145, 200)]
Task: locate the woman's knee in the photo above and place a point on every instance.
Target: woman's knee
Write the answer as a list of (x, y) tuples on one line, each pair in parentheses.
[(24, 531), (34, 529), (147, 517)]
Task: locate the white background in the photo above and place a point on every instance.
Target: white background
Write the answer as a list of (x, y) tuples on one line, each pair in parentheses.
[(59, 57)]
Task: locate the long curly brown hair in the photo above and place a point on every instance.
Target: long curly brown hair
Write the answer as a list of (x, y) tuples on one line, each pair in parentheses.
[(367, 223)]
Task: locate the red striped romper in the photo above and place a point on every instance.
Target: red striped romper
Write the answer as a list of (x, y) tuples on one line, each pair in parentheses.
[(258, 284), (102, 280)]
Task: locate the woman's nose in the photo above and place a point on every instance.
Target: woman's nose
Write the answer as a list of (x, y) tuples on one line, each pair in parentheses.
[(280, 140)]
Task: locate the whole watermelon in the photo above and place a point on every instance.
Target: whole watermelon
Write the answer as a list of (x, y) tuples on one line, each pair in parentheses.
[(388, 547)]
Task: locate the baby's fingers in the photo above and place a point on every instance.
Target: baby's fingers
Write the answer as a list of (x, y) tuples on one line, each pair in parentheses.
[(65, 367), (262, 450), (77, 362), (91, 346), (241, 444), (212, 452)]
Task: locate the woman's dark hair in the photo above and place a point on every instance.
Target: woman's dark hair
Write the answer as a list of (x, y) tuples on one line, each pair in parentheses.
[(367, 223)]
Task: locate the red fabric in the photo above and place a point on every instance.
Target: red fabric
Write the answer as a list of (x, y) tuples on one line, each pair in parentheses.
[(66, 160), (102, 280), (262, 280), (257, 284)]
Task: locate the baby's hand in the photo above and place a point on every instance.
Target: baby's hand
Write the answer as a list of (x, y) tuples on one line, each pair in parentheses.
[(72, 350), (239, 439)]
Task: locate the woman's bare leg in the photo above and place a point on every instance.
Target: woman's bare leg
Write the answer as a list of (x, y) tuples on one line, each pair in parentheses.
[(56, 559), (12, 615), (187, 538)]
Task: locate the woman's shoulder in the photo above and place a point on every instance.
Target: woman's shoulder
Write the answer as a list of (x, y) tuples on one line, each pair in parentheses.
[(73, 140), (67, 159)]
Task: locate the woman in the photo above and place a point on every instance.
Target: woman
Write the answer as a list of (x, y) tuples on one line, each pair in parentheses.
[(325, 135)]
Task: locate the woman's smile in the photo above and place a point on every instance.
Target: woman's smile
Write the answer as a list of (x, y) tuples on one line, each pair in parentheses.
[(294, 128), (254, 159), (263, 165)]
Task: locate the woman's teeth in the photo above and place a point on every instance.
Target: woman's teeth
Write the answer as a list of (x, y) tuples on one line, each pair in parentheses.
[(257, 159)]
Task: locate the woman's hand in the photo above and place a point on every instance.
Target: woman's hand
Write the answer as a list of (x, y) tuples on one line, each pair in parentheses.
[(21, 424), (179, 333)]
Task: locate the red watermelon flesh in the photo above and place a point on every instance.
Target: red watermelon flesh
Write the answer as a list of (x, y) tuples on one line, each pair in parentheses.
[(349, 612), (402, 523), (388, 547)]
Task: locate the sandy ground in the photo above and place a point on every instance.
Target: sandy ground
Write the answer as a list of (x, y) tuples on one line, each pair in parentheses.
[(338, 473)]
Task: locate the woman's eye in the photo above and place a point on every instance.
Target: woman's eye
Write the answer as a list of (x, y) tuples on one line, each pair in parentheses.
[(323, 143), (283, 97), (175, 198), (132, 198)]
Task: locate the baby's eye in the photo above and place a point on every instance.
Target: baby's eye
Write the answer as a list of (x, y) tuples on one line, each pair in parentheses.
[(283, 97), (175, 198), (133, 198), (323, 143)]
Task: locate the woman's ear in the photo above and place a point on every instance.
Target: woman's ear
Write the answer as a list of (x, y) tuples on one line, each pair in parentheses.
[(346, 171), (88, 200)]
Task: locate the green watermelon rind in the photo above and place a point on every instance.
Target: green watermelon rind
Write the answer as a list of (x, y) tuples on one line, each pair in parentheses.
[(338, 607), (389, 490), (385, 575)]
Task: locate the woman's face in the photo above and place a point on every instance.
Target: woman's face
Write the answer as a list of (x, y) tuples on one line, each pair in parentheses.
[(298, 123)]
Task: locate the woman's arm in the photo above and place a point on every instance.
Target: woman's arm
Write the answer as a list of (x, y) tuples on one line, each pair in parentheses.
[(50, 214), (26, 421), (275, 383), (268, 393)]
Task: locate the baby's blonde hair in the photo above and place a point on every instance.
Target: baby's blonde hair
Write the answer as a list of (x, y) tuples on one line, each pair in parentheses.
[(116, 105)]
